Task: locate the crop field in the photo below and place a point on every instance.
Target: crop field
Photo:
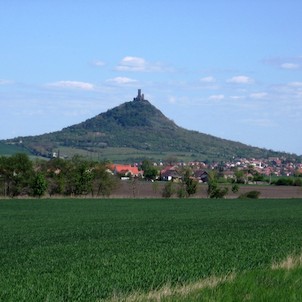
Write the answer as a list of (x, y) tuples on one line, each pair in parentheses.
[(143, 249), (6, 150)]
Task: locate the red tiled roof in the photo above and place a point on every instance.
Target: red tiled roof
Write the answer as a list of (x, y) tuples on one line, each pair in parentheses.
[(125, 169)]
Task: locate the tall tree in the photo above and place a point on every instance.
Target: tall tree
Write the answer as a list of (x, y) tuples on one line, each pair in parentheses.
[(18, 172), (191, 183), (56, 175), (5, 175), (103, 182), (214, 191), (150, 172), (39, 185)]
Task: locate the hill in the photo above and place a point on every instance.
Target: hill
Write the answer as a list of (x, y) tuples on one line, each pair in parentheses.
[(136, 130)]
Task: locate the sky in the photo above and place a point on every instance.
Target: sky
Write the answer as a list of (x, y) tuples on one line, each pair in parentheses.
[(229, 68)]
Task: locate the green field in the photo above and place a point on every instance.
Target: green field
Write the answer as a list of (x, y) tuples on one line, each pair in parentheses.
[(93, 250), (10, 149)]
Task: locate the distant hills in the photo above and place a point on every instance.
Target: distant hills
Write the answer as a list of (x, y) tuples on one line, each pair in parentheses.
[(132, 131)]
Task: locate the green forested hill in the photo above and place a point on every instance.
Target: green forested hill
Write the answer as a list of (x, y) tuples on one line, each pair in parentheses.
[(135, 130)]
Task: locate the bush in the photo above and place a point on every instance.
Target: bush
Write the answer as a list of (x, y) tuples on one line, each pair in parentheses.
[(297, 182), (250, 195), (181, 192), (235, 188), (219, 192), (39, 185), (168, 190), (284, 182)]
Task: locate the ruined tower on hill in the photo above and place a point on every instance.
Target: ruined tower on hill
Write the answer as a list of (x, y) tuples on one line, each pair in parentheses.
[(140, 96)]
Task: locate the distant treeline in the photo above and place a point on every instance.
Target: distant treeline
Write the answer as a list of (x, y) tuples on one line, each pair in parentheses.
[(20, 176)]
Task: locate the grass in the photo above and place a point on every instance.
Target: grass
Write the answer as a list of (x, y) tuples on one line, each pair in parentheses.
[(98, 250), (169, 292), (275, 284)]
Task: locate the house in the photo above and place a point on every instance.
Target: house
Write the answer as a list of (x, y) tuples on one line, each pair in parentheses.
[(201, 175), (299, 171), (126, 170), (170, 173), (229, 174), (256, 163)]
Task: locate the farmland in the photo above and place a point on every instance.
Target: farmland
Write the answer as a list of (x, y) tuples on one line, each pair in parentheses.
[(96, 249)]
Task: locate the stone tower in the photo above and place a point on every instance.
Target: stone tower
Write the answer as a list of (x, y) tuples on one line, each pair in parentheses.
[(140, 96)]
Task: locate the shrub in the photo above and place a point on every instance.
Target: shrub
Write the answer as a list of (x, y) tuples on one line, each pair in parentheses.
[(181, 192), (297, 182), (235, 188), (250, 195), (39, 185), (219, 192), (284, 182), (168, 190)]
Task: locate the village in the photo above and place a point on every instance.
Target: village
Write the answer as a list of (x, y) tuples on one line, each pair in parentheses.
[(252, 170)]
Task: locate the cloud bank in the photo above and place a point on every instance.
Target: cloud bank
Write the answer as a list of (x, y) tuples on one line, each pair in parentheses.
[(138, 64), (121, 80), (72, 85), (241, 79)]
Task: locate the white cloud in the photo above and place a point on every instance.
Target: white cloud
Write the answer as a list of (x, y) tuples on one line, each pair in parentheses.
[(290, 66), (258, 95), (241, 79), (260, 122), (237, 97), (122, 80), (208, 79), (72, 85), (290, 63), (172, 100), (138, 64), (216, 97), (99, 63), (295, 84), (132, 64), (5, 82)]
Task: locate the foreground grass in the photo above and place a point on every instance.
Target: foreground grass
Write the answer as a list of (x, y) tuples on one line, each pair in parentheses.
[(97, 250), (281, 282), (280, 285), (168, 292)]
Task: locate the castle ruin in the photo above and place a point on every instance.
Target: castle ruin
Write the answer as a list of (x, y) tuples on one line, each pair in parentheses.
[(140, 96)]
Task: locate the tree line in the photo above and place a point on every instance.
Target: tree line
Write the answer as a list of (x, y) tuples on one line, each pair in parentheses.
[(20, 176)]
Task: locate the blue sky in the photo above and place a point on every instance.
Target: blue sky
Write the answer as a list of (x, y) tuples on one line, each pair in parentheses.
[(230, 68)]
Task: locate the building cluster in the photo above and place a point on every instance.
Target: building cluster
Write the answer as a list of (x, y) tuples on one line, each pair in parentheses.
[(272, 166), (267, 167)]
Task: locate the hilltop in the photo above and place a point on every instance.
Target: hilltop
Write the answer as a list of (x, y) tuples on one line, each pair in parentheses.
[(132, 131)]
